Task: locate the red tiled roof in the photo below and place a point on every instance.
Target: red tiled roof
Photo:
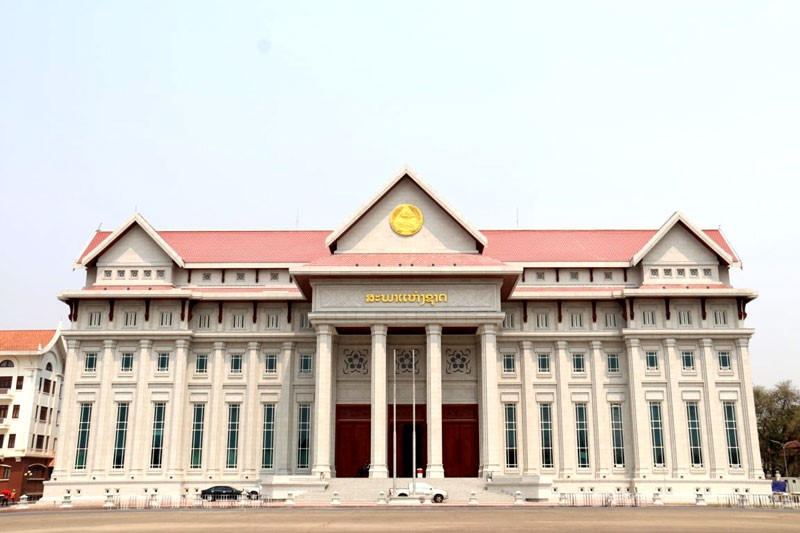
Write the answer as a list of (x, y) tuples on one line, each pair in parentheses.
[(25, 340), (300, 246), (406, 260)]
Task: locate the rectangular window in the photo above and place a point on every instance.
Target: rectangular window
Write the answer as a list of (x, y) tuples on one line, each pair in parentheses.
[(617, 442), (42, 414), (303, 434), (651, 361), (120, 435), (271, 363), (578, 364), (40, 442), (238, 321), (648, 318), (613, 363), (684, 318), (130, 319), (20, 382), (90, 362), (166, 319), (94, 319), (3, 413), (576, 320), (546, 430), (163, 362), (157, 443), (542, 321), (720, 317), (273, 320), (84, 425), (731, 436), (611, 320), (695, 446), (232, 450), (582, 435), (687, 360), (268, 436), (509, 363), (305, 323), (126, 363), (724, 359), (196, 451), (2, 443), (5, 382), (657, 434), (201, 363), (543, 360), (203, 321), (12, 441), (508, 321), (236, 363), (510, 411), (305, 364), (15, 411)]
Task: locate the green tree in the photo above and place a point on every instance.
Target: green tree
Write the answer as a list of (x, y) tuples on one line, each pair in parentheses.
[(778, 418)]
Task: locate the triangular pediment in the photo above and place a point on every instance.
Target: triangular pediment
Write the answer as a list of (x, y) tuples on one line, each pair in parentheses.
[(406, 216), (134, 242), (680, 240)]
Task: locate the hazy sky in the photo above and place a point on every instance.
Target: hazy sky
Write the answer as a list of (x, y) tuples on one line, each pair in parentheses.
[(272, 115)]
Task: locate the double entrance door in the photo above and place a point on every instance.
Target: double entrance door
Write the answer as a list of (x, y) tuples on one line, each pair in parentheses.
[(460, 449)]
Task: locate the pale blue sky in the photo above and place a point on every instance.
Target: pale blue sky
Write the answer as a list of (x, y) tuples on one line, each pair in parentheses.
[(266, 115)]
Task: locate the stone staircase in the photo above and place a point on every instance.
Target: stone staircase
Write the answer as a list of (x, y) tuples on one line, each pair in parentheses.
[(365, 490)]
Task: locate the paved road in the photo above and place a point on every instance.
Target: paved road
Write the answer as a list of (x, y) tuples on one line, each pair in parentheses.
[(446, 518)]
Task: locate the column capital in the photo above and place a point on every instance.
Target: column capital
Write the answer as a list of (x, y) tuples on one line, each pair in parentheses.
[(670, 343), (288, 345), (433, 329), (487, 329), (109, 344), (706, 343), (220, 345), (379, 329), (596, 345), (145, 344), (526, 345), (743, 342), (633, 343), (73, 344), (324, 329), (562, 345), (253, 346), (181, 344)]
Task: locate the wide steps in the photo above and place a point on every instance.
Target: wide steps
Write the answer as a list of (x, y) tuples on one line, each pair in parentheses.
[(365, 490)]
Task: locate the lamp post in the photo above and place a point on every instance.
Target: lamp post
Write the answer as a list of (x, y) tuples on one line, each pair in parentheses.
[(783, 447)]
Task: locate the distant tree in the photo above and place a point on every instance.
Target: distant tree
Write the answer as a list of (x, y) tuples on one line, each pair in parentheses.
[(778, 418)]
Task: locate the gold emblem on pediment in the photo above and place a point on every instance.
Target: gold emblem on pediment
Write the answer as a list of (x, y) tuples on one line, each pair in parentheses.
[(406, 220)]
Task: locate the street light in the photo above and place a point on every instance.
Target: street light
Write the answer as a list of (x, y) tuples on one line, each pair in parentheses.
[(783, 447)]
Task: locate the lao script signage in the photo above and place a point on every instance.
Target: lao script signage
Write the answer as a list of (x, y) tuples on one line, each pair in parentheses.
[(420, 298)]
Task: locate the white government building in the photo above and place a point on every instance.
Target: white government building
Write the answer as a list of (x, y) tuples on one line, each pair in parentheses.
[(563, 361)]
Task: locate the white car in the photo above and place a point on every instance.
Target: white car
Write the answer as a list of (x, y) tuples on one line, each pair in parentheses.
[(253, 492), (422, 489)]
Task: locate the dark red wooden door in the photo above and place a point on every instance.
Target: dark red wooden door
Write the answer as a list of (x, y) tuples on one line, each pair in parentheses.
[(352, 440), (460, 440)]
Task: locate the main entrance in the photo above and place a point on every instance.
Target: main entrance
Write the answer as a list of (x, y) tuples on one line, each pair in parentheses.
[(460, 440), (405, 440)]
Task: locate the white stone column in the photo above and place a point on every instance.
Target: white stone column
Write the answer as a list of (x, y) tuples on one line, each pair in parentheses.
[(491, 416), (640, 412), (528, 368), (749, 429), (379, 420), (717, 448), (602, 419), (677, 430), (283, 412), (564, 416), (68, 430), (176, 434), (141, 412), (252, 420), (323, 413), (435, 468), (216, 425), (105, 415)]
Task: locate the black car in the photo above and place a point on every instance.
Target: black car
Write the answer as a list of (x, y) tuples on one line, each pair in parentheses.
[(220, 492)]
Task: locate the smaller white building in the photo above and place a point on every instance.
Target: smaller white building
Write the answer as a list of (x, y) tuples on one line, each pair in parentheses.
[(31, 380)]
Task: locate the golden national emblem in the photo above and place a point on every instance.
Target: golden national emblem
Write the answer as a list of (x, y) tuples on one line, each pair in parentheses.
[(406, 220)]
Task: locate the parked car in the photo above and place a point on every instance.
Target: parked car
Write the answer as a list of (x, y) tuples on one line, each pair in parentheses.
[(220, 492), (422, 489)]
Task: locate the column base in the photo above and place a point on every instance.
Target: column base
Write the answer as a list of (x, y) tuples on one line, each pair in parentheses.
[(434, 472), (378, 471), (488, 471), (322, 472)]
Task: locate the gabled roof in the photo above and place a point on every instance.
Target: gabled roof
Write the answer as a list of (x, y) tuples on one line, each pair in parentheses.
[(406, 173), (115, 235), (26, 340), (565, 246), (679, 218)]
